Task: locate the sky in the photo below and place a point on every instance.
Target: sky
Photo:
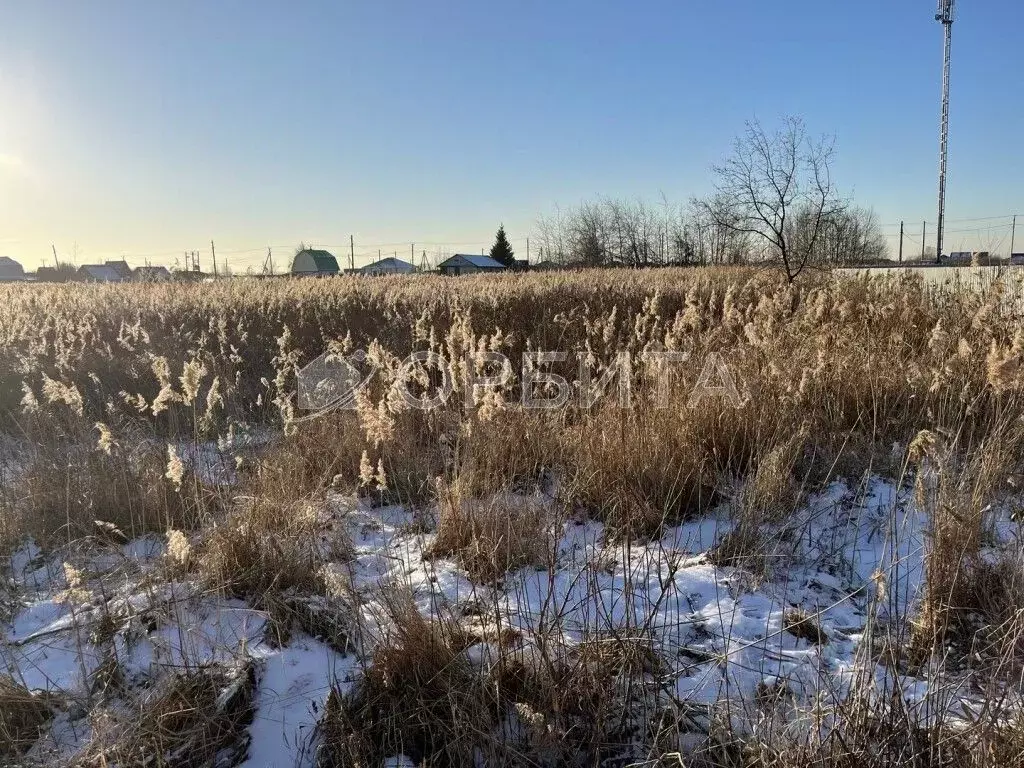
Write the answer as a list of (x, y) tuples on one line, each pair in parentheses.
[(145, 129)]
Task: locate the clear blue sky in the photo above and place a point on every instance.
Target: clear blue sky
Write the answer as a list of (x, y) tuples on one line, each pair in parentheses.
[(148, 128)]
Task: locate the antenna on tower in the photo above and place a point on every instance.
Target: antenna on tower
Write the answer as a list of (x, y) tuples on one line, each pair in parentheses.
[(945, 17)]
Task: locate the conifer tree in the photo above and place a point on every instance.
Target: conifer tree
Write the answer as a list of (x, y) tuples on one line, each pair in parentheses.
[(501, 251)]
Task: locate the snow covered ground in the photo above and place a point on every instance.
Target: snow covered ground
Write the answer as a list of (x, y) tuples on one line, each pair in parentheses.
[(720, 633)]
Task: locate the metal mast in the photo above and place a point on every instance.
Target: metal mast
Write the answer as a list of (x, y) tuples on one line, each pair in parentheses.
[(945, 16)]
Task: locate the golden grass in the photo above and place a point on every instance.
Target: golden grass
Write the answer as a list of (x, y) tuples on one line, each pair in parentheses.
[(68, 488), (831, 375), (835, 377), (493, 536)]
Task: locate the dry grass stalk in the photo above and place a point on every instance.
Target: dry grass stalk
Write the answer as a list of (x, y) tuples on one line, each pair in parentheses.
[(804, 625), (186, 719), (268, 547), (23, 716), (492, 537), (66, 489), (420, 697), (964, 590), (537, 701)]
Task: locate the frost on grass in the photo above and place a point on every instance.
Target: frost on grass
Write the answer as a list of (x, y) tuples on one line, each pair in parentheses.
[(591, 648), (706, 642), (129, 661)]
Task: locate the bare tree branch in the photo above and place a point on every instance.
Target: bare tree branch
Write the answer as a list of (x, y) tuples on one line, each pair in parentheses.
[(773, 182)]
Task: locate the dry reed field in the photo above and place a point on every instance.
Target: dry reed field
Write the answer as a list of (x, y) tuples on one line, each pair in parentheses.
[(759, 524)]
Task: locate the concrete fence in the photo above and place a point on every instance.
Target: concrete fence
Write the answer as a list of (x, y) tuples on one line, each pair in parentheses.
[(943, 279)]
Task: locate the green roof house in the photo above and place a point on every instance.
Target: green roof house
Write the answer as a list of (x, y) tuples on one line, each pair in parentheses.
[(310, 261)]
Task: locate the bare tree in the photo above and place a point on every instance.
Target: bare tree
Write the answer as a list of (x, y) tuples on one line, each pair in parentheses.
[(714, 233), (850, 236), (588, 235), (636, 233), (771, 183), (610, 232), (551, 236), (854, 237)]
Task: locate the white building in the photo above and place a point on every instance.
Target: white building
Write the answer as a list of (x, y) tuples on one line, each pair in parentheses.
[(469, 264), (389, 266), (99, 273)]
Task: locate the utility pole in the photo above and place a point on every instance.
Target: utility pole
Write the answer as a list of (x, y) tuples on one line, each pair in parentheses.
[(527, 250), (213, 252), (351, 252), (412, 253), (1013, 237), (57, 264), (945, 16), (901, 242), (924, 231)]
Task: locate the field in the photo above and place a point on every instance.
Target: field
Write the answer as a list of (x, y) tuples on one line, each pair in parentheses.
[(664, 517)]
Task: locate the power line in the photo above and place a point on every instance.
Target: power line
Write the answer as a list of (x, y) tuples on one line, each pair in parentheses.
[(983, 218), (979, 230), (1007, 218)]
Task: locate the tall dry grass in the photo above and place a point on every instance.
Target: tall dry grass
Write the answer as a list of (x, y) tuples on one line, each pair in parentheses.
[(109, 388), (834, 377), (23, 715)]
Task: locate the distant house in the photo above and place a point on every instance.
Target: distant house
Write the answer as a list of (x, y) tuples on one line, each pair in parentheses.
[(10, 270), (99, 273), (121, 268), (314, 262), (468, 264), (389, 266), (148, 274), (1017, 258)]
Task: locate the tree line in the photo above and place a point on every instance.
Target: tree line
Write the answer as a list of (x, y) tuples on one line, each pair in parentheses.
[(774, 201)]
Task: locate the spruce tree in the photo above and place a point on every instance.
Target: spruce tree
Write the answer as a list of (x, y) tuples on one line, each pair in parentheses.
[(501, 251)]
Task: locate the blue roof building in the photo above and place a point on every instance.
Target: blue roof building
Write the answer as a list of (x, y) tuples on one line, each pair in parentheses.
[(468, 264)]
